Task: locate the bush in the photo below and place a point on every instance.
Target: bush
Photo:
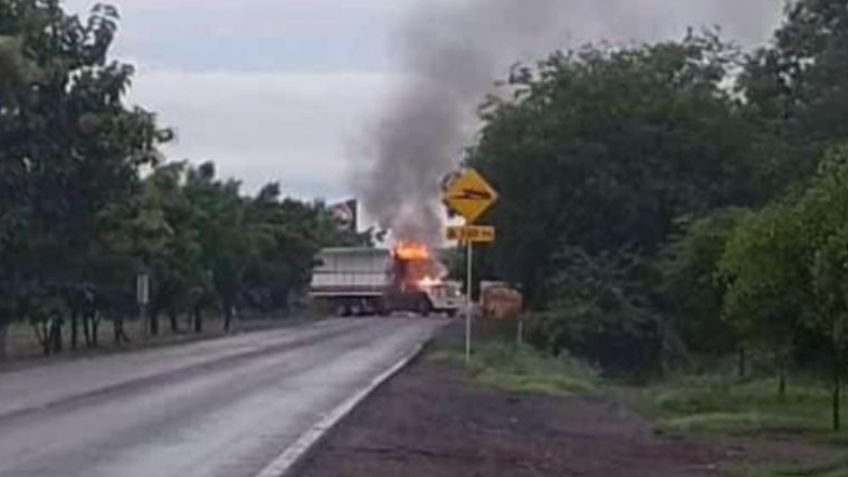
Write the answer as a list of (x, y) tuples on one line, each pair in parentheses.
[(626, 341), (601, 314)]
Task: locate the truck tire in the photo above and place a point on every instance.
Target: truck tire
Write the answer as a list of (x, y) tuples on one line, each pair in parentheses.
[(424, 308), (372, 307), (381, 308)]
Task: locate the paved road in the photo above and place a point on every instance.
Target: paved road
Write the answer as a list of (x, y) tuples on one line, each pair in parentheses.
[(223, 408)]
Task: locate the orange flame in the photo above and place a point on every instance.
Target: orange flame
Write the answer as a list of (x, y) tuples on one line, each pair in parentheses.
[(409, 251)]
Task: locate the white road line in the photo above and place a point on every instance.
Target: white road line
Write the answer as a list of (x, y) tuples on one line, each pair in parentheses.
[(305, 443)]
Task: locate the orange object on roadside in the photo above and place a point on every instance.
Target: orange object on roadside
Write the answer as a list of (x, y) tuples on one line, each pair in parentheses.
[(501, 302)]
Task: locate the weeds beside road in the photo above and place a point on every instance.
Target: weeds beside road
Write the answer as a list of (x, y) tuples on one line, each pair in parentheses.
[(524, 371)]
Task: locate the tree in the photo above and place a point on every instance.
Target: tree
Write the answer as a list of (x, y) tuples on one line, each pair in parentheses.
[(601, 314), (176, 269), (796, 90), (226, 239), (604, 148), (77, 220), (71, 146), (285, 251), (691, 290), (140, 231), (826, 231), (11, 67), (787, 268), (766, 281)]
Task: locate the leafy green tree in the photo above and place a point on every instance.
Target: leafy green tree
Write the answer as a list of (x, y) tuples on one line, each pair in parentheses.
[(787, 269), (151, 229), (71, 146), (604, 148), (11, 67), (226, 238), (766, 274), (797, 89), (691, 289), (285, 250), (601, 314), (177, 268), (825, 226)]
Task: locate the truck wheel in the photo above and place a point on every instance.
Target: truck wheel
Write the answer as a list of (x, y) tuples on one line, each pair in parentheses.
[(373, 307), (381, 308), (424, 308), (342, 310)]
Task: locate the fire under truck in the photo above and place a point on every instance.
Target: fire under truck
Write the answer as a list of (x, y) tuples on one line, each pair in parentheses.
[(368, 281)]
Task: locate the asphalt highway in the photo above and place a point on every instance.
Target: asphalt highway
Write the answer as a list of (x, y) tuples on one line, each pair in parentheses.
[(222, 408)]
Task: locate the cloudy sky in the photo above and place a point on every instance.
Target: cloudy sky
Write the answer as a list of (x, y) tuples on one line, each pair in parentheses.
[(287, 90)]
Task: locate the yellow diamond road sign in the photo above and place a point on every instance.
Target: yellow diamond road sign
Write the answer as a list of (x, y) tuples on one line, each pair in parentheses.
[(470, 196)]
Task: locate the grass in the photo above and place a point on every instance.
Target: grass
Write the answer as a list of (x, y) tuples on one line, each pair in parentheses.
[(837, 469), (715, 404), (22, 342), (522, 370), (741, 423), (720, 405), (723, 405), (832, 469)]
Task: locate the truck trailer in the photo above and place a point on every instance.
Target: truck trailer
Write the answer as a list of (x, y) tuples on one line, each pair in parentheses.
[(368, 281)]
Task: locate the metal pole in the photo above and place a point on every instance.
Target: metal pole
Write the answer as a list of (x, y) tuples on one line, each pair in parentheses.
[(145, 325), (520, 331), (143, 299), (469, 304)]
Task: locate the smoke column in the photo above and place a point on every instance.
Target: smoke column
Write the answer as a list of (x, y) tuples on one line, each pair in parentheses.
[(452, 51)]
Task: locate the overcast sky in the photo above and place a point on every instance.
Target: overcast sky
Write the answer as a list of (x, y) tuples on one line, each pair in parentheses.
[(286, 90)]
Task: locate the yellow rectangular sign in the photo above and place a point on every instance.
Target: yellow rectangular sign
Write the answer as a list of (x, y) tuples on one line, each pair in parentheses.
[(473, 234)]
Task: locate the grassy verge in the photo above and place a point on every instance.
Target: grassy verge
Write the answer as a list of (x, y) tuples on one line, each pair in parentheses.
[(715, 406), (723, 406), (833, 469), (523, 370)]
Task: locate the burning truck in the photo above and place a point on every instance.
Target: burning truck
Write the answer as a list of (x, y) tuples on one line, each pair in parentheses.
[(367, 281)]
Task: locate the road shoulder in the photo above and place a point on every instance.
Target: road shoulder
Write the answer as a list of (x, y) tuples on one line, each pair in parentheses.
[(432, 420)]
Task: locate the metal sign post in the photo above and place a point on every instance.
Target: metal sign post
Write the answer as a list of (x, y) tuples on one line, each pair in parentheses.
[(469, 303), (520, 337), (142, 291), (470, 196)]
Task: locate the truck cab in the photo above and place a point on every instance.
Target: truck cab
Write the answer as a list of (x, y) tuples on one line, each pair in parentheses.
[(445, 297)]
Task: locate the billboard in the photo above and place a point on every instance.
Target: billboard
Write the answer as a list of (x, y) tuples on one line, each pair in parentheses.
[(346, 215)]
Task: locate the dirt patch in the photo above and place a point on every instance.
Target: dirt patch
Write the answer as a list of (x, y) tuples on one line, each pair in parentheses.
[(433, 421)]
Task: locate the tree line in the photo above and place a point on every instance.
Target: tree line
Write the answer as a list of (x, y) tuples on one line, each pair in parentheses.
[(88, 202), (683, 199)]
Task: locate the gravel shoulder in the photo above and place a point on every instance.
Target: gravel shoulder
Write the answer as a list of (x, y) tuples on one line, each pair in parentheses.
[(432, 420)]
